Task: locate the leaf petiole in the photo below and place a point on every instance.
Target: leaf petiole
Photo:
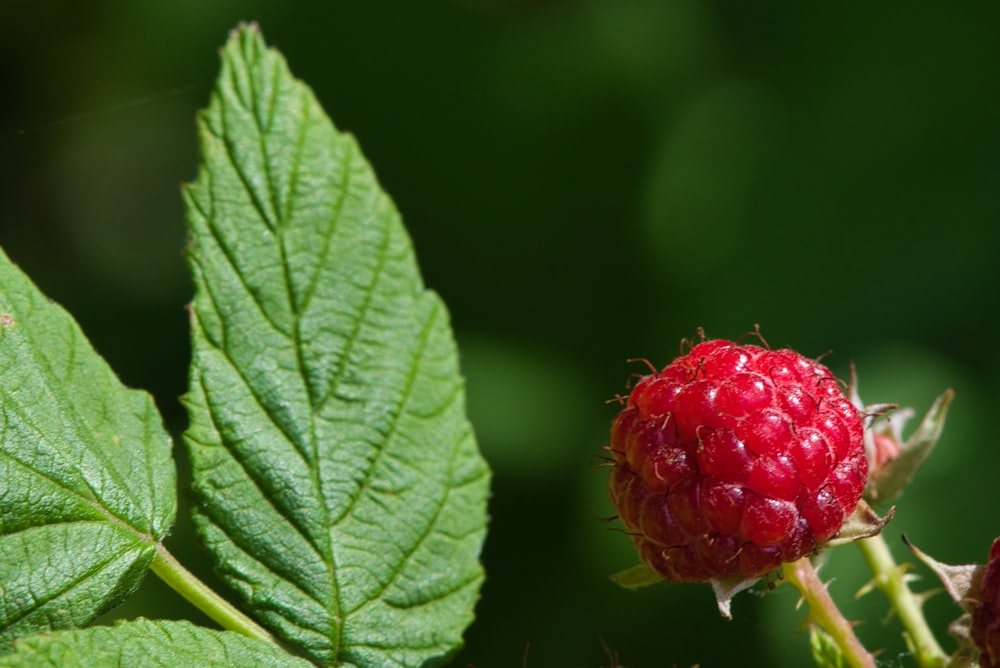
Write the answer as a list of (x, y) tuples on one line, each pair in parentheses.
[(203, 597)]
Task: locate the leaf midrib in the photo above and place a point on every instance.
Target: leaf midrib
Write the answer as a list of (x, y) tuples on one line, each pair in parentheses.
[(333, 605)]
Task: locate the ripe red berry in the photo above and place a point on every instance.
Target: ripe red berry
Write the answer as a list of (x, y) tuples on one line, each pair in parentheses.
[(986, 612), (733, 460)]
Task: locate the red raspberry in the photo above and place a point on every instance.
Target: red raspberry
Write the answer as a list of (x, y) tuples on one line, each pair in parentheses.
[(734, 459), (986, 612)]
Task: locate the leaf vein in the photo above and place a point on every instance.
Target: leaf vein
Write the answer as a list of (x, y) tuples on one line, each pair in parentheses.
[(405, 395), (250, 553), (359, 320), (56, 592), (327, 550), (231, 260), (430, 523), (293, 177), (92, 502), (338, 209), (257, 482), (96, 499), (265, 155), (245, 180)]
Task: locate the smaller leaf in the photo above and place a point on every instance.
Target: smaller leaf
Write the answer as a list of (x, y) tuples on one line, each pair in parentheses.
[(144, 642)]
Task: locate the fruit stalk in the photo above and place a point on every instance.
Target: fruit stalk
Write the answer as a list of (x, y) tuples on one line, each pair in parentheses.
[(890, 580), (825, 613)]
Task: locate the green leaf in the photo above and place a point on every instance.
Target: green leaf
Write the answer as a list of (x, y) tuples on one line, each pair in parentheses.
[(337, 480), (143, 642), (86, 475)]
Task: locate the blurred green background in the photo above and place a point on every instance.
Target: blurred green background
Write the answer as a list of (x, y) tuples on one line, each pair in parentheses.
[(585, 181)]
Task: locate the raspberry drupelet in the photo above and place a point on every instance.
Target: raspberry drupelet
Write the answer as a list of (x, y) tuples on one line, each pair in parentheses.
[(733, 460), (986, 612)]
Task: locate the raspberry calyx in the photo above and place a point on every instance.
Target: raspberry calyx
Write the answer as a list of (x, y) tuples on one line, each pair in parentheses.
[(733, 460)]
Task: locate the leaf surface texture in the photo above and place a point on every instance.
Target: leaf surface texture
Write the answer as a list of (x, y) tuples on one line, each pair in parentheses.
[(144, 643), (87, 479)]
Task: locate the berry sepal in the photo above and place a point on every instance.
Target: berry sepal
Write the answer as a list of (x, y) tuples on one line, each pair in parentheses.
[(975, 588), (894, 461), (726, 588), (961, 581), (862, 523), (642, 575), (637, 577)]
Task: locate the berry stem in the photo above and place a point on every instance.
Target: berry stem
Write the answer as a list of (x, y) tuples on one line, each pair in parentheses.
[(825, 613), (889, 578)]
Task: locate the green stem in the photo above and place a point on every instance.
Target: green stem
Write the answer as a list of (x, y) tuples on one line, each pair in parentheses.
[(825, 613), (890, 581), (184, 582)]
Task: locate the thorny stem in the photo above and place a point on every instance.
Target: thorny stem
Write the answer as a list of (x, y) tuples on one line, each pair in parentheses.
[(185, 583), (889, 579), (825, 613)]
